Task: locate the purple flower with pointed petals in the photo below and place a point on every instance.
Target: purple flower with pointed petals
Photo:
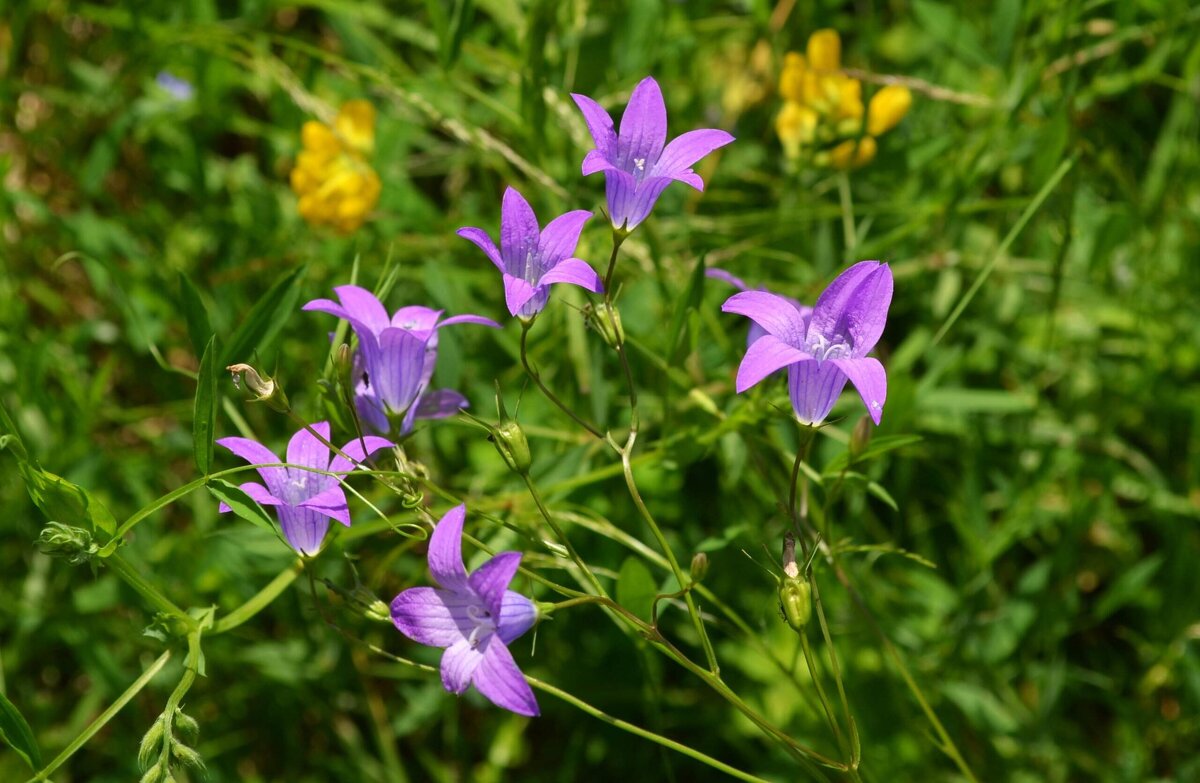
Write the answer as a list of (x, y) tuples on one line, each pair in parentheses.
[(304, 500), (755, 331), (825, 350), (474, 617), (638, 164), (533, 259), (395, 359)]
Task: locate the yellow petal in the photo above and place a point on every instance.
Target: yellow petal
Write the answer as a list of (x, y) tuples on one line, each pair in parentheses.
[(853, 153), (887, 108), (825, 50), (796, 123), (318, 137), (850, 104), (791, 78), (355, 124)]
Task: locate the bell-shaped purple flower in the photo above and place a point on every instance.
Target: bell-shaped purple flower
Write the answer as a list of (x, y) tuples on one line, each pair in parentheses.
[(395, 359), (474, 617), (825, 350), (304, 500), (532, 259), (755, 331), (638, 164)]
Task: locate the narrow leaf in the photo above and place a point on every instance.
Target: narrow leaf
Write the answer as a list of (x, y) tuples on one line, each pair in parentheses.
[(204, 412), (15, 731), (636, 588), (240, 503), (195, 314), (265, 320), (692, 296)]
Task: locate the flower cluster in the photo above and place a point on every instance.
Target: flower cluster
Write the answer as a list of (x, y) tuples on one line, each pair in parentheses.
[(333, 180), (822, 114)]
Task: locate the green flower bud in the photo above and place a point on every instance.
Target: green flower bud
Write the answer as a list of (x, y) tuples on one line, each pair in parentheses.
[(263, 389), (73, 544), (187, 756), (606, 320), (187, 725), (699, 568), (795, 601), (509, 439), (153, 775), (149, 748)]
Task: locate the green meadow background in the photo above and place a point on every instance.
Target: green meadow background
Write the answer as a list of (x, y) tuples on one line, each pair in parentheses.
[(1040, 209)]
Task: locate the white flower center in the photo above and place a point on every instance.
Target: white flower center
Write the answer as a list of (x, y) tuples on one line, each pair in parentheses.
[(823, 348), (639, 164), (483, 624)]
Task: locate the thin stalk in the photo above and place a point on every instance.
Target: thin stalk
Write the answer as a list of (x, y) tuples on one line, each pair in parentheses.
[(191, 665), (810, 661), (536, 377), (836, 669), (102, 720), (849, 233), (260, 600), (562, 536)]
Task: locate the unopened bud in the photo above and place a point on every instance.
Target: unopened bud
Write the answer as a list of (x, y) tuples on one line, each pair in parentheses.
[(73, 544), (509, 439), (887, 108), (606, 320), (263, 389), (149, 747), (860, 438), (343, 363), (699, 568), (795, 601)]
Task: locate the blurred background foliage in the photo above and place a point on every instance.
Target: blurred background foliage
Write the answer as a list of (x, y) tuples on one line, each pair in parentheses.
[(1053, 481)]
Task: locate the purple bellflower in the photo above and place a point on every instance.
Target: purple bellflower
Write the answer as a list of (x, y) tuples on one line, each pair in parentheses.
[(474, 617), (179, 89), (304, 500), (825, 349), (638, 164), (532, 259), (395, 359), (755, 331)]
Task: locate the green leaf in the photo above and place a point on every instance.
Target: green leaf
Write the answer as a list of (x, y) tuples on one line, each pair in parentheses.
[(16, 732), (264, 321), (876, 448), (1129, 587), (636, 588), (62, 501), (240, 503), (204, 412), (690, 300), (195, 314)]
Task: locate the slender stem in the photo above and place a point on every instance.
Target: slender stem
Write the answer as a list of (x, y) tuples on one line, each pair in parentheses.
[(618, 239), (103, 718), (562, 536), (849, 233), (121, 567), (836, 669), (537, 379), (191, 665), (810, 661), (260, 600)]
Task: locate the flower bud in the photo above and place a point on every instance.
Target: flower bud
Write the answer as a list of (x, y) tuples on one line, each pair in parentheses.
[(791, 78), (824, 50), (796, 126), (853, 153), (860, 438), (149, 747), (264, 389), (699, 568), (887, 108), (73, 544), (795, 601), (606, 320), (509, 439)]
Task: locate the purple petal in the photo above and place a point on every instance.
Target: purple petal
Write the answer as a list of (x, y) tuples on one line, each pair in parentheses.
[(517, 615), (257, 454), (814, 388), (716, 273), (629, 203), (870, 380), (491, 579), (354, 449), (518, 229), (684, 151), (575, 272), (854, 307), (459, 663), (483, 242), (599, 124), (467, 318), (306, 449), (445, 551), (561, 236), (777, 314), (643, 126), (370, 409), (363, 306), (517, 293), (595, 161), (499, 679), (420, 320), (766, 355), (330, 502), (437, 618), (304, 528), (440, 403), (396, 369), (258, 493)]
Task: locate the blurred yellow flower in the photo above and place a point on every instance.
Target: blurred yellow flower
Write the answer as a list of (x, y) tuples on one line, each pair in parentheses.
[(822, 114), (335, 184)]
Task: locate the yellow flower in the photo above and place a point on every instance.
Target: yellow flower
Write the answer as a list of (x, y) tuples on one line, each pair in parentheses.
[(853, 153), (796, 126), (825, 50), (334, 184), (791, 78), (887, 108)]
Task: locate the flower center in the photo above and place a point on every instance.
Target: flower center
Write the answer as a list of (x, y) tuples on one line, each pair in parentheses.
[(823, 348), (529, 269), (483, 624), (639, 164)]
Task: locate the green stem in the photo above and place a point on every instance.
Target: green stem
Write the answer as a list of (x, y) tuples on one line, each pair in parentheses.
[(537, 379), (562, 536), (102, 720), (810, 661), (191, 665), (131, 577), (260, 600), (849, 234), (836, 669)]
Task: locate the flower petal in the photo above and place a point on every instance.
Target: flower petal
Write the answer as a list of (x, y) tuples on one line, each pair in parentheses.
[(491, 579), (575, 272), (397, 367), (331, 503), (716, 273), (363, 306), (630, 202), (257, 454), (518, 229), (499, 679), (445, 550), (643, 126), (358, 450), (763, 357), (258, 493), (468, 318), (459, 663), (483, 242), (517, 615), (814, 387), (869, 378), (854, 307), (304, 528), (306, 449), (418, 319), (599, 124), (561, 236), (775, 313), (440, 403), (434, 617), (685, 151), (516, 293), (595, 161)]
